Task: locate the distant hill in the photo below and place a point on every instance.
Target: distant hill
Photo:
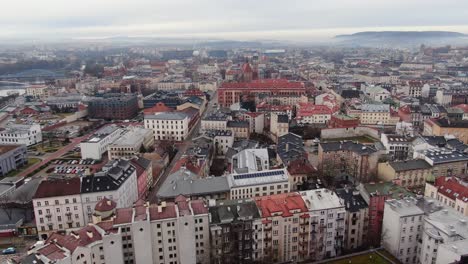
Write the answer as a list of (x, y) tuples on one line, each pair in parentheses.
[(372, 38)]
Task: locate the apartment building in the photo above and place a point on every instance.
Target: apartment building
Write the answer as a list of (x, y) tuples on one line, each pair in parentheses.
[(236, 232), (223, 140), (113, 106), (256, 121), (308, 113), (443, 126), (445, 230), (12, 157), (176, 232), (279, 126), (408, 173), (397, 146), (286, 231), (130, 143), (445, 162), (372, 114), (36, 91), (58, 206), (168, 125), (327, 223), (358, 160), (375, 195), (117, 181), (449, 191), (215, 121), (401, 229), (261, 183), (97, 144), (240, 128), (357, 219), (21, 134)]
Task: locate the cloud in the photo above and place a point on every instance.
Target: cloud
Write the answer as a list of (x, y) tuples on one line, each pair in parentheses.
[(245, 19)]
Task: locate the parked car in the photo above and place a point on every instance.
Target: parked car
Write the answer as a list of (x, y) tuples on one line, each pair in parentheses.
[(10, 250)]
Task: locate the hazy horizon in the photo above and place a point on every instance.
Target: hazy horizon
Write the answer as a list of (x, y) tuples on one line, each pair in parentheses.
[(298, 20)]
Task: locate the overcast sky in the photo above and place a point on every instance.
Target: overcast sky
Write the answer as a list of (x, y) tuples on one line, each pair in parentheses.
[(228, 19)]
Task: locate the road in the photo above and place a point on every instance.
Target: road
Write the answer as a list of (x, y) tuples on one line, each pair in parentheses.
[(181, 149)]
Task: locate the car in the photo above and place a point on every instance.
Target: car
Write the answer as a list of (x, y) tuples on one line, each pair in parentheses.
[(10, 250)]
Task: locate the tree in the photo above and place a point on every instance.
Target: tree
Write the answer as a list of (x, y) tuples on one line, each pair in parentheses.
[(6, 206)]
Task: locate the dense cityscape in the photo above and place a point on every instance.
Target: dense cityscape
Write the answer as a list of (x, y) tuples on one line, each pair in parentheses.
[(234, 152)]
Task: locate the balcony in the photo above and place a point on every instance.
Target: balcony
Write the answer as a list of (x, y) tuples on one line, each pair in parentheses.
[(304, 223), (267, 228)]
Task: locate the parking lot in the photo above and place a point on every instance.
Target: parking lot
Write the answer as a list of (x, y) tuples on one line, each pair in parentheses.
[(74, 166)]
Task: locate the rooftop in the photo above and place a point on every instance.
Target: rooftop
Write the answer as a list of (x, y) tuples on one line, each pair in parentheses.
[(185, 182), (320, 199), (7, 148), (264, 84), (258, 178), (58, 187), (283, 205), (417, 164), (228, 211)]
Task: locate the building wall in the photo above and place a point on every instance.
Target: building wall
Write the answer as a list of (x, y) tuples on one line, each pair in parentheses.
[(13, 159), (22, 137), (409, 178), (57, 213), (94, 150), (176, 130)]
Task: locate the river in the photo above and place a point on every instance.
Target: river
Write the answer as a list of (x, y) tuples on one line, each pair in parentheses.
[(5, 90)]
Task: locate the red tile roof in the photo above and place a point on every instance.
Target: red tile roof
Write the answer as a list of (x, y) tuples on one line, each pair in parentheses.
[(296, 167), (169, 211), (199, 207), (452, 188), (105, 205), (157, 108), (123, 216), (52, 252), (309, 109), (281, 203), (264, 84), (463, 107), (62, 187), (84, 237)]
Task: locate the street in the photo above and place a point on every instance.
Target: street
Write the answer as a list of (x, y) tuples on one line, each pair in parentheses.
[(181, 148)]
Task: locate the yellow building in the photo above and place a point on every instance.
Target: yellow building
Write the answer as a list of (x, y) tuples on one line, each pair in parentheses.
[(408, 173), (443, 126)]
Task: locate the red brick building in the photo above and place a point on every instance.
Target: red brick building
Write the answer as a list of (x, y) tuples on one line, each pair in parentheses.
[(230, 93), (343, 121)]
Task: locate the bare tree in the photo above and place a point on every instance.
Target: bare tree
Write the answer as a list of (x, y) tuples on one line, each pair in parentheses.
[(6, 206)]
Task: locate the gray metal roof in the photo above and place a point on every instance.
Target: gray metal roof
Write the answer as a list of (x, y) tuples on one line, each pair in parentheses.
[(167, 116), (417, 164), (185, 182)]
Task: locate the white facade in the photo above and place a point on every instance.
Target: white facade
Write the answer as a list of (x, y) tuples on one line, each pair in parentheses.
[(58, 213), (168, 125), (125, 195), (130, 143), (94, 147), (444, 227), (249, 185), (327, 216), (401, 228), (21, 134)]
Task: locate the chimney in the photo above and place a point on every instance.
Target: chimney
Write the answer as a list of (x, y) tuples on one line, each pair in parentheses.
[(89, 234), (159, 209), (287, 147)]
